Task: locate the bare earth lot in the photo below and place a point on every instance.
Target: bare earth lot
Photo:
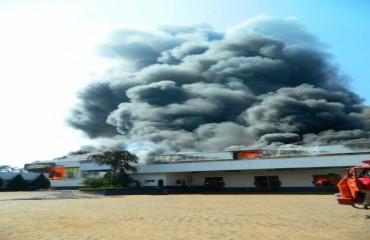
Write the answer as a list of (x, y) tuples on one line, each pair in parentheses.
[(71, 215)]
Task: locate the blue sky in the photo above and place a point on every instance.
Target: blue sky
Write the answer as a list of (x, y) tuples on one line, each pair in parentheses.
[(47, 54)]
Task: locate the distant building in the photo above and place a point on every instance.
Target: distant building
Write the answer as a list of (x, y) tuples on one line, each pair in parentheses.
[(288, 168)]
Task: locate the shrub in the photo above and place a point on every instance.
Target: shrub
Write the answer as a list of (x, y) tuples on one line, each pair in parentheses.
[(95, 182), (123, 178), (108, 176), (41, 182), (120, 179), (18, 183)]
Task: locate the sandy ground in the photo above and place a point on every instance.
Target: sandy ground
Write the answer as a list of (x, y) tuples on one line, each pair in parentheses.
[(72, 215)]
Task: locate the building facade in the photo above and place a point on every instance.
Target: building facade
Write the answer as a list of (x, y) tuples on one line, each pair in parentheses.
[(252, 170)]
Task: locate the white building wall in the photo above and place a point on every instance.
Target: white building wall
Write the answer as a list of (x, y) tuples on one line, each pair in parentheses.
[(313, 162), (149, 180), (198, 178), (238, 179), (231, 179), (295, 178), (288, 178), (303, 178), (172, 179), (68, 182)]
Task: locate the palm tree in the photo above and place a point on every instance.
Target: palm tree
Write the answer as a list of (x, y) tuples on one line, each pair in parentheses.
[(121, 160)]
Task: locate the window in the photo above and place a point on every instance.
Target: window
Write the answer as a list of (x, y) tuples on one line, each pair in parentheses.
[(328, 180), (363, 172), (246, 154), (56, 173), (87, 174), (267, 181), (214, 182)]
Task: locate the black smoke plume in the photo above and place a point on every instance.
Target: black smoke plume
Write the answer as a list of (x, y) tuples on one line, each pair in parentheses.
[(190, 88)]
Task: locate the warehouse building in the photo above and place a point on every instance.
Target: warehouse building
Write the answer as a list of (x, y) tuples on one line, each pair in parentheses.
[(282, 169)]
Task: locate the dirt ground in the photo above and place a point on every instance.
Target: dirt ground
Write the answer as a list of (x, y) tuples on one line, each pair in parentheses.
[(72, 215)]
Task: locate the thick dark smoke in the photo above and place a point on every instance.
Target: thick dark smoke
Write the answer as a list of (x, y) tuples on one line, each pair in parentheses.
[(181, 88)]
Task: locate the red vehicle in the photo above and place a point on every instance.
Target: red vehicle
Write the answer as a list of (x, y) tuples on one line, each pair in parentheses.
[(354, 187)]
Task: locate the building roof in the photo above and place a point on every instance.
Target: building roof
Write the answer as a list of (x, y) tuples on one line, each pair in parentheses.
[(259, 164), (284, 157), (248, 164), (90, 166), (26, 176)]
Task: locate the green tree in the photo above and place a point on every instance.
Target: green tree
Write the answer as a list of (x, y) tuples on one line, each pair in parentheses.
[(41, 182), (122, 178), (18, 183), (117, 160)]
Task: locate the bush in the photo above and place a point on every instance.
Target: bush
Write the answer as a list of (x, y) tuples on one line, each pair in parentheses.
[(41, 182), (121, 178), (18, 183), (95, 182), (108, 176)]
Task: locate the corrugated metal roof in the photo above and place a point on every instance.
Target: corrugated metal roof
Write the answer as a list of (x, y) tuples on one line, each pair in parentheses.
[(93, 167), (59, 163), (67, 164), (268, 152), (259, 164)]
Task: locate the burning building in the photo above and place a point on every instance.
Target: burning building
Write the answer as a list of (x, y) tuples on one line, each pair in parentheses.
[(242, 95), (282, 169)]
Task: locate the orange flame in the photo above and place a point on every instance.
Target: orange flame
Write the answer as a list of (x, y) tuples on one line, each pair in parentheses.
[(321, 181), (56, 173), (243, 155)]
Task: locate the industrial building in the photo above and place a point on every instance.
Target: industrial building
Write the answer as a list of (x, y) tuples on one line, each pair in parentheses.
[(283, 169)]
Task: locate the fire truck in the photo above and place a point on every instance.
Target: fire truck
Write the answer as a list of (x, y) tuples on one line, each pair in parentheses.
[(354, 187)]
